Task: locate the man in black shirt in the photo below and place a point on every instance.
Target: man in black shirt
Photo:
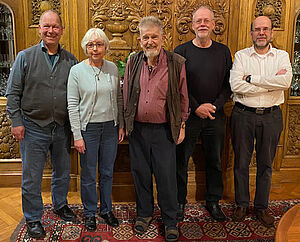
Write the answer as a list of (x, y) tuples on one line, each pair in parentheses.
[(208, 65)]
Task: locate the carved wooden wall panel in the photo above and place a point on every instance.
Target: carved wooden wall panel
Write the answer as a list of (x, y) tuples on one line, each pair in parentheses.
[(274, 9), (39, 6), (32, 12), (119, 20), (293, 137), (9, 148)]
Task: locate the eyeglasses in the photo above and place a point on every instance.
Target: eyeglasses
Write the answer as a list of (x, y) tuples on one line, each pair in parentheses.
[(91, 46), (205, 21), (265, 30)]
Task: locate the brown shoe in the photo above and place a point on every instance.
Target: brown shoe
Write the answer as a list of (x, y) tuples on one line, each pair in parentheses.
[(265, 218), (240, 213)]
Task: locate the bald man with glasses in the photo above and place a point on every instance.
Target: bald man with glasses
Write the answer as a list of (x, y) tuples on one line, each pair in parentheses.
[(258, 78)]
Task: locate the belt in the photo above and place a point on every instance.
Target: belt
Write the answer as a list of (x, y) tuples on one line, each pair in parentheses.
[(256, 110)]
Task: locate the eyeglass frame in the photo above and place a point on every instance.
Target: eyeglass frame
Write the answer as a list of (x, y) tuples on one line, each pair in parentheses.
[(265, 30), (91, 46)]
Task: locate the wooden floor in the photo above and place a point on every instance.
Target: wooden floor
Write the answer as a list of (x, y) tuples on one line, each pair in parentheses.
[(11, 209)]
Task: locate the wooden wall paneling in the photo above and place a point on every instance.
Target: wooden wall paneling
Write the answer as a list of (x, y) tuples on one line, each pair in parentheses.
[(291, 152), (292, 137), (234, 26)]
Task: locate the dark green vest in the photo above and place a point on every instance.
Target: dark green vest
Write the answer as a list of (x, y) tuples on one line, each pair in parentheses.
[(174, 62)]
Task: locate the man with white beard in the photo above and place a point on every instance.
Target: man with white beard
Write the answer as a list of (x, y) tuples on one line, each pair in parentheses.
[(155, 110)]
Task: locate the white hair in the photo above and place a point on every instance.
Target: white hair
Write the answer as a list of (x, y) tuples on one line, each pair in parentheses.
[(92, 34), (151, 21)]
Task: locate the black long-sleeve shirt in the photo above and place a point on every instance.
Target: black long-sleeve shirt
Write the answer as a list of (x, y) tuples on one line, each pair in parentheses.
[(207, 71)]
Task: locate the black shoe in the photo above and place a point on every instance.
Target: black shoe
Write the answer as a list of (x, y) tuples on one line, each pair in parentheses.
[(90, 223), (35, 230), (110, 219), (215, 211), (180, 212), (66, 214)]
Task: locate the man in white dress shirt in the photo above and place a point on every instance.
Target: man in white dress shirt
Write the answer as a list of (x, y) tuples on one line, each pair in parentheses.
[(258, 78)]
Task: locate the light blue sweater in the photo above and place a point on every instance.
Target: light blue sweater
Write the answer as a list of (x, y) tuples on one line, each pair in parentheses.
[(82, 95)]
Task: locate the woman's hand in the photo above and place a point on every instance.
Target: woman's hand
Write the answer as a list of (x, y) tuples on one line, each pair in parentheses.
[(80, 146), (121, 135)]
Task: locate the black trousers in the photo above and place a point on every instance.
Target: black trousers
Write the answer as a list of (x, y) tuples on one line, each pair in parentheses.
[(249, 129), (212, 134), (152, 151)]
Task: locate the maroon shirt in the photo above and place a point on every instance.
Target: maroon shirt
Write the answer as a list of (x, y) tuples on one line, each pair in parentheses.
[(152, 105)]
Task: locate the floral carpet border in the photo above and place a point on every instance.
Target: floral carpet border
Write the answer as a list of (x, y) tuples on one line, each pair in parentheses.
[(197, 225)]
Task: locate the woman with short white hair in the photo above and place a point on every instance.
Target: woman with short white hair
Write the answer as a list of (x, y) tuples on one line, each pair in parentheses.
[(95, 106)]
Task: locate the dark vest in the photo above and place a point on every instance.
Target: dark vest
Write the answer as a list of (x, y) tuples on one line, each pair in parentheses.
[(44, 98), (174, 62)]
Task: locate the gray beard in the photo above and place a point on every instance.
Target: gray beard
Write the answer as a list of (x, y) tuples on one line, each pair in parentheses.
[(151, 54), (261, 47)]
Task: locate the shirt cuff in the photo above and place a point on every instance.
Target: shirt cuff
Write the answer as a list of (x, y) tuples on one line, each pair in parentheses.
[(255, 79), (15, 122), (77, 134)]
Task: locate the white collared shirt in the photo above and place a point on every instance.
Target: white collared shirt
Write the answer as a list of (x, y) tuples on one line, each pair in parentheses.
[(265, 89)]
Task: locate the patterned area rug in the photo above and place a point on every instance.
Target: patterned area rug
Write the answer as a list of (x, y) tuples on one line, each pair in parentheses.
[(197, 226)]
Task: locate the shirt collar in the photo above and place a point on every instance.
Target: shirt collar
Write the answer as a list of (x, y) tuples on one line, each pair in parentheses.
[(46, 50), (271, 51)]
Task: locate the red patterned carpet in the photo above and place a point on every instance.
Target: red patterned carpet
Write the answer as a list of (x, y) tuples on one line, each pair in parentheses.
[(197, 226)]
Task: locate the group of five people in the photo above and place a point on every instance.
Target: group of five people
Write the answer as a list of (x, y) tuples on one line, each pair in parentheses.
[(168, 101)]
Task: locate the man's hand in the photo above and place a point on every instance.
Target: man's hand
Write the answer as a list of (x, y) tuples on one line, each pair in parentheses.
[(18, 132), (79, 145), (121, 135), (181, 135), (281, 72), (205, 110)]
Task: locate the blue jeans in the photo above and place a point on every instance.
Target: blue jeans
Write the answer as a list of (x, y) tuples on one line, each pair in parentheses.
[(101, 143), (34, 149)]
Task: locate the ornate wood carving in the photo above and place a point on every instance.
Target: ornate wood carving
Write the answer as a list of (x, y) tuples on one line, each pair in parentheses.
[(40, 6), (163, 10), (9, 148), (274, 9), (183, 15), (293, 142), (119, 18)]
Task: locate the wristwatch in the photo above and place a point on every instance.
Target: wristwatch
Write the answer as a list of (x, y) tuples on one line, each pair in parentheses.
[(248, 78), (182, 126)]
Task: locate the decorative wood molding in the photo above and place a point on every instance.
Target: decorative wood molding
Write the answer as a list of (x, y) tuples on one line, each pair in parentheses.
[(119, 18), (40, 6), (293, 139), (183, 14), (162, 9), (274, 9), (9, 148)]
